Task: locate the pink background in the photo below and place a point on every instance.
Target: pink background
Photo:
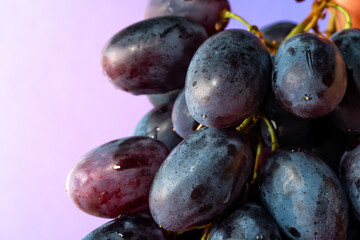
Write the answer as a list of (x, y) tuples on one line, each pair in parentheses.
[(55, 104)]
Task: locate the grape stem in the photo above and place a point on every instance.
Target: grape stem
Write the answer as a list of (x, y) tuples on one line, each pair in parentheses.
[(274, 141), (206, 232), (343, 11), (199, 127), (247, 124), (257, 160), (311, 20), (272, 46)]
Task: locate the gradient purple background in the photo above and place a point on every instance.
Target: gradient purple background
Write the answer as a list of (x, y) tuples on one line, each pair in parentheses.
[(56, 105)]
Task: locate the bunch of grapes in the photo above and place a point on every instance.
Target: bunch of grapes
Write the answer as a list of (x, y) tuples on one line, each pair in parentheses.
[(254, 134)]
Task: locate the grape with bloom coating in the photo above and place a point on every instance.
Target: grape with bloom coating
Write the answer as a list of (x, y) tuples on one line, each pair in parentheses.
[(200, 178), (350, 176), (152, 56), (309, 75), (115, 177), (347, 115), (250, 221), (304, 196), (135, 227), (227, 78)]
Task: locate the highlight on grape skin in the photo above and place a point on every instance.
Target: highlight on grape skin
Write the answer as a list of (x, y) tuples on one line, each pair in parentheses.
[(115, 178)]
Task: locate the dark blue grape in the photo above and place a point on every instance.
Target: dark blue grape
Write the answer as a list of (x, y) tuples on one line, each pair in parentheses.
[(205, 12), (304, 196), (250, 221), (347, 115), (152, 56), (278, 31), (135, 227), (309, 76), (115, 178), (227, 78), (201, 177), (350, 176), (183, 122), (157, 124), (164, 98)]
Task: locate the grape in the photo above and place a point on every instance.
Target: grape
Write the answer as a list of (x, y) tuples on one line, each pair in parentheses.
[(115, 178), (350, 176), (152, 56), (227, 78), (164, 98), (205, 12), (309, 76), (157, 124), (183, 122), (277, 31), (304, 196), (347, 115), (250, 221), (135, 227), (200, 178)]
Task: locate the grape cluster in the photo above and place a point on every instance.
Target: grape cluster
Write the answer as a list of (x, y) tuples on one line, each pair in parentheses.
[(254, 134)]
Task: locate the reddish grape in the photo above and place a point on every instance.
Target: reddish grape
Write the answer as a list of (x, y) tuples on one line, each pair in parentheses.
[(152, 56), (115, 178)]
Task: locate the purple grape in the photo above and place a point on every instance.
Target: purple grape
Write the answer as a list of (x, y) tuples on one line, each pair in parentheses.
[(164, 98), (277, 31), (250, 221), (309, 76), (135, 227), (200, 178), (181, 118), (115, 178), (205, 12), (350, 176), (304, 196), (152, 56), (227, 78), (157, 124), (347, 115)]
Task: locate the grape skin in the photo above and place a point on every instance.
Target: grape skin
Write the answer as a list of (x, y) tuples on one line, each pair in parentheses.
[(350, 176), (227, 78), (183, 122), (200, 178), (347, 115), (277, 31), (205, 12), (152, 56), (163, 98), (250, 221), (135, 227), (115, 177), (157, 124), (304, 196), (309, 76)]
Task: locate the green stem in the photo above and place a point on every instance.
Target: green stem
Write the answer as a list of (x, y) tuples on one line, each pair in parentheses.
[(311, 20), (343, 11), (206, 232), (274, 141), (228, 15), (257, 160)]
